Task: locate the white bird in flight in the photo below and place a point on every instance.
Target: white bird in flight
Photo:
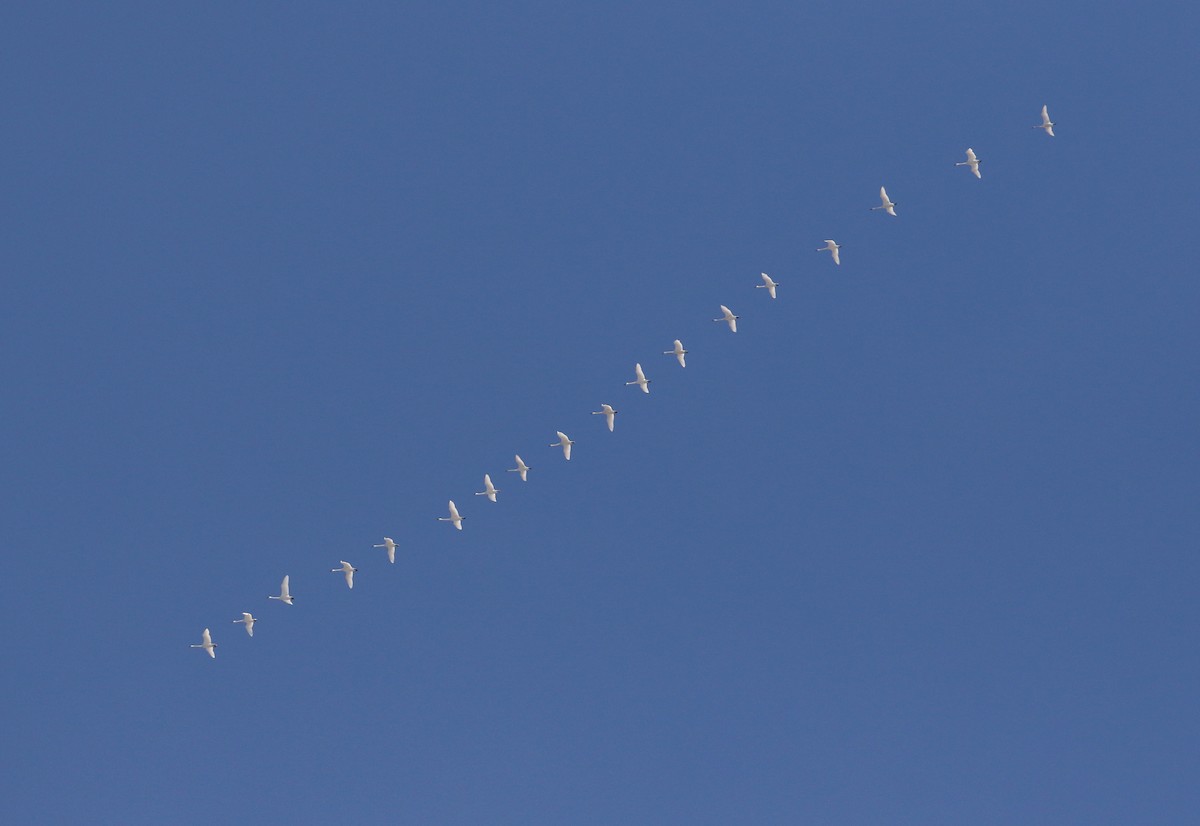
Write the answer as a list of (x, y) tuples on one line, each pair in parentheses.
[(208, 645), (1046, 123), (678, 352), (453, 517), (391, 548), (886, 204), (833, 247), (284, 594), (641, 380), (566, 443), (247, 620), (729, 318), (347, 569), (489, 490), (608, 413), (521, 468), (972, 162), (768, 285)]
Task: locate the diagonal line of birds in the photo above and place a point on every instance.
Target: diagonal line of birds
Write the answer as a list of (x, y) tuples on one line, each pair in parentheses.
[(565, 442)]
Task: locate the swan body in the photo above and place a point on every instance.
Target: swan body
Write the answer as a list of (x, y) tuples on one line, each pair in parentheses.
[(285, 595), (565, 442), (610, 415), (678, 352), (489, 490), (728, 317), (1046, 123), (972, 161), (768, 285), (247, 620), (641, 380), (833, 247), (521, 468), (885, 203), (391, 548), (347, 569), (453, 517), (207, 644)]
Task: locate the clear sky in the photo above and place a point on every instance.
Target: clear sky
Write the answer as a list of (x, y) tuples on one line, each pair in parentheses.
[(917, 545)]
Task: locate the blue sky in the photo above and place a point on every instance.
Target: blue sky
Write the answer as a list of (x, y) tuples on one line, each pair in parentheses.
[(917, 545)]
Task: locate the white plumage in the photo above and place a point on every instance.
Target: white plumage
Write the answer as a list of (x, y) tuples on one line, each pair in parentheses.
[(1046, 123), (453, 517), (565, 442), (768, 285), (641, 380), (678, 352), (885, 203), (285, 595), (832, 247), (391, 548), (610, 415), (521, 468), (207, 644), (489, 490), (247, 620), (972, 161), (347, 569), (728, 317)]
